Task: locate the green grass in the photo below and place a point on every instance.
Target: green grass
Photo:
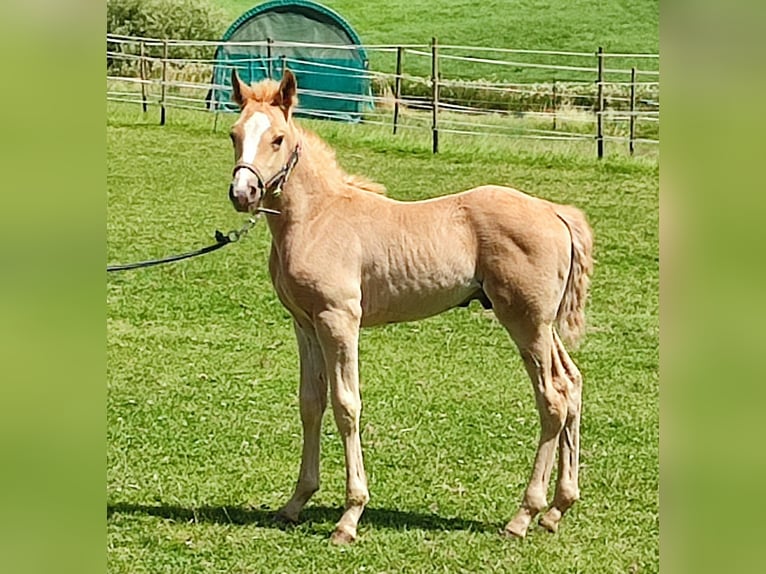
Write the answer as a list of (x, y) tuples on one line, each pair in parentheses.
[(570, 25), (573, 25), (203, 426)]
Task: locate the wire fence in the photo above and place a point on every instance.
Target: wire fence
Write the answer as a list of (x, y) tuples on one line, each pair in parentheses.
[(466, 90)]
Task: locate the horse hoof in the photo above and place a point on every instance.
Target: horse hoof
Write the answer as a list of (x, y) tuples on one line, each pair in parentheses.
[(342, 537), (512, 530), (550, 520), (285, 519)]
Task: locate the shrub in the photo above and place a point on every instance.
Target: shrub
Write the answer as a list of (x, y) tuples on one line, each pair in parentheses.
[(179, 19), (176, 19), (527, 97)]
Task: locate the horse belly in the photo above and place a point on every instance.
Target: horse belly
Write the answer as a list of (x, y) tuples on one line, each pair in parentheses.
[(397, 298)]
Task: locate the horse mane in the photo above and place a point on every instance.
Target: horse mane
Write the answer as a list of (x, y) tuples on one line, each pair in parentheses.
[(267, 91), (324, 155), (264, 91), (365, 184)]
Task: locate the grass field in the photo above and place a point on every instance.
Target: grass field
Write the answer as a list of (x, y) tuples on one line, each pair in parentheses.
[(574, 25), (203, 430)]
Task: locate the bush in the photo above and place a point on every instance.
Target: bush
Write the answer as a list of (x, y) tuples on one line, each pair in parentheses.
[(178, 19), (174, 19), (530, 97)]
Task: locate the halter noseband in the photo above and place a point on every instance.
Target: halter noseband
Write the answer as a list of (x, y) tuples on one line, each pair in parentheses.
[(274, 184)]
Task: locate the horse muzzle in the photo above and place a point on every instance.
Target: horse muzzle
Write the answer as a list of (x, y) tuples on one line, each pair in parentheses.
[(246, 189), (245, 199)]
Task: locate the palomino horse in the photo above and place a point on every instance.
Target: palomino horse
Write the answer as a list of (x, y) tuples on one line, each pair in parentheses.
[(344, 256)]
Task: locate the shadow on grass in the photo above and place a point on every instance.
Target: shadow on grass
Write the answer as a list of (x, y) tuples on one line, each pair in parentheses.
[(381, 517)]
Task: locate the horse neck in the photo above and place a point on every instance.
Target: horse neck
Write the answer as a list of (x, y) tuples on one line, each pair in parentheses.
[(308, 190)]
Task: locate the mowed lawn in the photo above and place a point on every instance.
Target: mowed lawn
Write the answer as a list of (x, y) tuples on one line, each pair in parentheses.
[(203, 439)]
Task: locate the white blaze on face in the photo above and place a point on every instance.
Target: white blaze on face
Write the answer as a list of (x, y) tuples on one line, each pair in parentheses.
[(254, 128)]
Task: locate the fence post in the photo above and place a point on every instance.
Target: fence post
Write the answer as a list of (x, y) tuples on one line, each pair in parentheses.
[(269, 43), (283, 60), (554, 104), (435, 94), (600, 104), (164, 80), (398, 84), (142, 71), (632, 140)]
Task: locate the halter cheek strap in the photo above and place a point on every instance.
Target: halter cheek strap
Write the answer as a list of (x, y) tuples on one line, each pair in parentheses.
[(274, 184)]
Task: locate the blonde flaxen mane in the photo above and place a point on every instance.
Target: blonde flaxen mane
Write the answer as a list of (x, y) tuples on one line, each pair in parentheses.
[(325, 155), (268, 91)]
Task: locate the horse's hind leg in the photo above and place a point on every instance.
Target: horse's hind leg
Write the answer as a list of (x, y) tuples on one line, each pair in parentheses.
[(536, 352), (313, 401), (567, 486)]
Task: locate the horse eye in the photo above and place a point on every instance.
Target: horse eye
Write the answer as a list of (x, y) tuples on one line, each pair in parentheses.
[(278, 141)]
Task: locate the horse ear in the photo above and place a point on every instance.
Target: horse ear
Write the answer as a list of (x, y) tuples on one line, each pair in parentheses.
[(240, 91), (286, 95)]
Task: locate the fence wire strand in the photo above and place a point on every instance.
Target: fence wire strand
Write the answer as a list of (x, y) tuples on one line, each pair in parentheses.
[(468, 107)]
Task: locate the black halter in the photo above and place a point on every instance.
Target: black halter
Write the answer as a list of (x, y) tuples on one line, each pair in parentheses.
[(274, 184)]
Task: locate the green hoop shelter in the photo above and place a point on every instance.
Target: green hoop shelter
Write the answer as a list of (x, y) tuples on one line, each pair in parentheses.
[(301, 35)]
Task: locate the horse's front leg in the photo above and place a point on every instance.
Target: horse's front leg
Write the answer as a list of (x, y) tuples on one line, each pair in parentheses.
[(313, 401), (338, 332)]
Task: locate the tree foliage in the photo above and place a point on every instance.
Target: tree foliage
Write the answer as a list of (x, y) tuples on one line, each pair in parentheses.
[(175, 19)]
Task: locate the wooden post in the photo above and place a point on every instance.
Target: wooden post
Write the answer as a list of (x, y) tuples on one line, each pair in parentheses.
[(283, 60), (398, 85), (164, 80), (632, 140), (269, 43), (435, 94), (553, 104), (600, 104), (142, 71)]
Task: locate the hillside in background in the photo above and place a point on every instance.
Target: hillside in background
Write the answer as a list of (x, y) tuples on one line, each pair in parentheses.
[(577, 25)]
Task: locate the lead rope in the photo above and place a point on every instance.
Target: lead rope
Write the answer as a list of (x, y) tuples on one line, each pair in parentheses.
[(279, 178), (221, 240)]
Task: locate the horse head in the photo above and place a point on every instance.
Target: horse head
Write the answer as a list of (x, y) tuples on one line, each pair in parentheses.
[(266, 142)]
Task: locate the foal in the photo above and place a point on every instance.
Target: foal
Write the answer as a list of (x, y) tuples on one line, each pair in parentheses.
[(343, 257)]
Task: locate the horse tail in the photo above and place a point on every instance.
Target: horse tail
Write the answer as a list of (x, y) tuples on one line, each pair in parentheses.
[(570, 317)]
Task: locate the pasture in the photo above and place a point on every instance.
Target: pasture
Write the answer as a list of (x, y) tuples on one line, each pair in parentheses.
[(571, 25), (203, 436), (575, 25)]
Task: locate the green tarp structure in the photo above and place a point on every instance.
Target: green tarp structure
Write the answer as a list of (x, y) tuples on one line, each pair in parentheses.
[(332, 82)]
